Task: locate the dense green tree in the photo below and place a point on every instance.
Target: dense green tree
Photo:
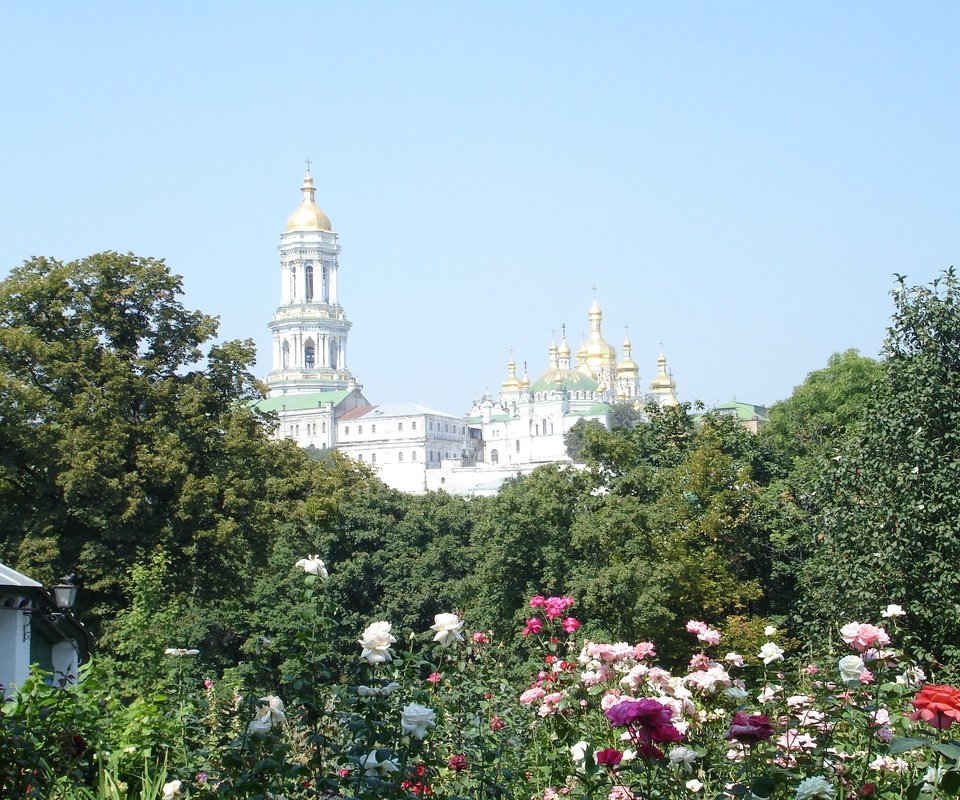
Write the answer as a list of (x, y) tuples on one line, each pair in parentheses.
[(523, 545), (889, 507), (119, 435), (824, 408)]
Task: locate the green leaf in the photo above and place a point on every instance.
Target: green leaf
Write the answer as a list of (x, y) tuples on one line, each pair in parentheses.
[(901, 744), (951, 751)]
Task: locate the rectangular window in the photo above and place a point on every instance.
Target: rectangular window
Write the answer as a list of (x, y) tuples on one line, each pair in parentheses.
[(359, 428), (373, 458), (413, 456), (400, 457), (399, 426), (373, 429), (413, 425), (346, 430)]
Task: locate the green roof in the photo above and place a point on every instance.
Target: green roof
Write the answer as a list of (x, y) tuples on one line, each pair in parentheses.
[(597, 410), (743, 411), (301, 402), (569, 379)]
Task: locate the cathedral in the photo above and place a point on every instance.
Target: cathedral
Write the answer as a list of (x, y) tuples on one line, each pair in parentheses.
[(526, 424), (318, 401)]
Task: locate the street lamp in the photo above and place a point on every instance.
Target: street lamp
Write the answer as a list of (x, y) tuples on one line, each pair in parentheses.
[(65, 592)]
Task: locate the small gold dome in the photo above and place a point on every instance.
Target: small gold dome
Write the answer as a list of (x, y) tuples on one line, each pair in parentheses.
[(308, 216), (627, 366), (662, 381), (599, 352), (511, 384)]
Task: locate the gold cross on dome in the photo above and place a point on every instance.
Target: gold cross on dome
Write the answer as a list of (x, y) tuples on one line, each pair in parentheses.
[(308, 165)]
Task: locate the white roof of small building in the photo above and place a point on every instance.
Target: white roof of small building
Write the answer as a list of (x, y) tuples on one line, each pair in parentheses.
[(10, 577), (406, 410)]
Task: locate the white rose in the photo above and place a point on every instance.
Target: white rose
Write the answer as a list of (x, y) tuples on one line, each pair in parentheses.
[(769, 630), (376, 643), (683, 758), (815, 788), (578, 751), (171, 790), (448, 629), (851, 668), (892, 611), (416, 720), (770, 653), (694, 785), (312, 565), (371, 765), (270, 711)]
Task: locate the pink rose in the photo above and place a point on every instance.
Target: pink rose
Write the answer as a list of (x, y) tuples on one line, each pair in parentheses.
[(643, 650), (862, 636), (532, 695), (533, 625)]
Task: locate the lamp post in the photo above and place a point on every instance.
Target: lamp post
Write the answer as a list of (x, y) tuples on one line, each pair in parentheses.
[(65, 592)]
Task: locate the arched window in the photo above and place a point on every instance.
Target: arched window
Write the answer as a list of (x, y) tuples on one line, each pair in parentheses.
[(536, 429), (400, 457), (309, 354), (334, 354), (285, 355), (360, 457), (413, 456), (323, 427), (494, 457), (543, 427), (373, 458), (308, 282)]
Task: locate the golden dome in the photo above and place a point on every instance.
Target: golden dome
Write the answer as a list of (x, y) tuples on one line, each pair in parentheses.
[(308, 216), (599, 352), (627, 367), (662, 381), (525, 380), (564, 351), (511, 384)]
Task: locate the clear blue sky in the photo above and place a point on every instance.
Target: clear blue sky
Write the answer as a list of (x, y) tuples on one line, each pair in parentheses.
[(739, 180)]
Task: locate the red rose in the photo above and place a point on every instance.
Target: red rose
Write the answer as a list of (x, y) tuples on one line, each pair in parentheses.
[(749, 729), (938, 706), (609, 757)]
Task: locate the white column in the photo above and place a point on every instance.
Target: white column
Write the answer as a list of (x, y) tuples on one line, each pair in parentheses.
[(333, 283)]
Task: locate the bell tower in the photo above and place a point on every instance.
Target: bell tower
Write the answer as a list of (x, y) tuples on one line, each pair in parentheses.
[(309, 326)]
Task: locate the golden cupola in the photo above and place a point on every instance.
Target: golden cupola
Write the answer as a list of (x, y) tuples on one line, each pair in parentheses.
[(511, 384), (628, 368), (663, 385), (308, 216), (600, 354), (525, 380)]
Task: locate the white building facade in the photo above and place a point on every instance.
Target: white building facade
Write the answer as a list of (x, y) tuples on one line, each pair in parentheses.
[(526, 424), (406, 441), (310, 384)]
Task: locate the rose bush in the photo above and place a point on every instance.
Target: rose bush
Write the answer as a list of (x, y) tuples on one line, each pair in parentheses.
[(595, 719)]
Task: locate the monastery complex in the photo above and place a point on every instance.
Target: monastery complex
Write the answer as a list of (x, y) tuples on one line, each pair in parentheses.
[(319, 403)]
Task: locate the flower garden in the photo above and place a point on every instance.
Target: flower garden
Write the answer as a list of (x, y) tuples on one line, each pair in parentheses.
[(432, 714)]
